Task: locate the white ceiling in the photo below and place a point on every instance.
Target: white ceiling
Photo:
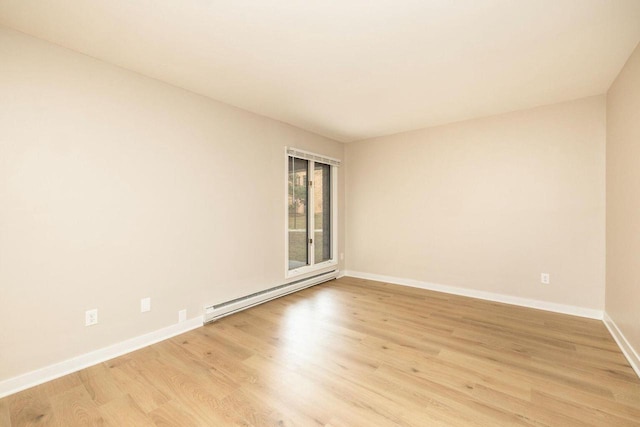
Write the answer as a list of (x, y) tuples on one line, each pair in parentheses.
[(353, 69)]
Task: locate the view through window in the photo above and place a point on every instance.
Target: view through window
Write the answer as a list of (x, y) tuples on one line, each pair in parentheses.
[(310, 218)]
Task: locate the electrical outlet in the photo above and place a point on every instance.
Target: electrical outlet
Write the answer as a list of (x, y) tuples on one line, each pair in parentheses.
[(91, 317), (544, 278), (341, 256), (182, 315), (145, 304)]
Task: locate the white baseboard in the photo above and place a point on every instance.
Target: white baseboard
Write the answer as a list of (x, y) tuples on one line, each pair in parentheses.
[(629, 352), (490, 296), (57, 370)]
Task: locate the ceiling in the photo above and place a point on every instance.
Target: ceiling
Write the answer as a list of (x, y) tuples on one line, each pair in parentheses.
[(353, 69)]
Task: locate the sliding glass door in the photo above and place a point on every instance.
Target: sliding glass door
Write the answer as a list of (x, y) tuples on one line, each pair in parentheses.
[(310, 213)]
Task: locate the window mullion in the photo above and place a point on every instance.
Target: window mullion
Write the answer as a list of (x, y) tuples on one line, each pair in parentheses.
[(311, 212)]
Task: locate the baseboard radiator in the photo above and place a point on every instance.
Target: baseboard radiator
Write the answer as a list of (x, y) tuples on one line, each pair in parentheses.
[(217, 311)]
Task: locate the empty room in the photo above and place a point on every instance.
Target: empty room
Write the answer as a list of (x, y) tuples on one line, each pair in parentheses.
[(319, 213)]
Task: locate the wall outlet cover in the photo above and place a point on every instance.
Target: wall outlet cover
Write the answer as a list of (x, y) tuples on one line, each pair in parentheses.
[(91, 317), (182, 315), (145, 305)]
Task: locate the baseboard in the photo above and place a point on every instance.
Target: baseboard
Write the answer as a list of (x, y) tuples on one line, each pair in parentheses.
[(629, 352), (57, 370), (489, 296)]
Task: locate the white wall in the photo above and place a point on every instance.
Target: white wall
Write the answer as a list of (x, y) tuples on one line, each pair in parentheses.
[(623, 205), (114, 187), (486, 205)]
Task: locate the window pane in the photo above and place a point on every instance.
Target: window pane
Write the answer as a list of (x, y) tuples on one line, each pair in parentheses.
[(298, 228), (322, 212)]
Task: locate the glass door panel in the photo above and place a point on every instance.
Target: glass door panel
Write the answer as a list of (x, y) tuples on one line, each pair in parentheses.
[(322, 212), (298, 214)]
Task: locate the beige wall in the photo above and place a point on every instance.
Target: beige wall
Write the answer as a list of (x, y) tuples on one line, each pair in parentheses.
[(114, 187), (623, 201), (486, 204)]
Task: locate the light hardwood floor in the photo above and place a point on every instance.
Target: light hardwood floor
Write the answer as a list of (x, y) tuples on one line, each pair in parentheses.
[(355, 353)]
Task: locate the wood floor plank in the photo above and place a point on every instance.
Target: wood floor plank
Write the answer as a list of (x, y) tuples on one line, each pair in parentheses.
[(280, 380), (173, 413), (354, 352), (527, 411), (75, 407), (581, 412), (240, 408), (459, 398), (292, 415), (100, 384), (456, 375), (31, 407), (526, 374), (123, 411), (5, 415), (146, 395), (611, 406), (60, 385)]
